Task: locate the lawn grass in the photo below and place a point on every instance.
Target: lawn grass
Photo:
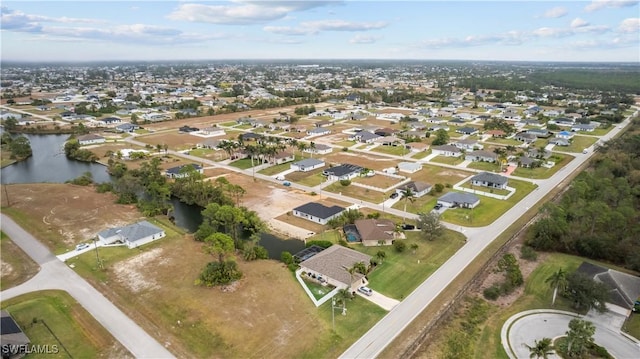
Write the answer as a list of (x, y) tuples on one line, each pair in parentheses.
[(579, 143), (244, 163), (632, 325), (270, 171), (422, 154), (345, 143), (485, 166), (392, 150), (560, 159), (316, 289), (489, 208), (356, 192), (497, 191), (229, 124), (391, 277), (77, 333), (599, 131), (435, 174), (505, 141), (17, 266), (448, 160)]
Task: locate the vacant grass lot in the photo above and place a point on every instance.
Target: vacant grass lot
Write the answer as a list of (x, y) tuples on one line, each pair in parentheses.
[(73, 330), (360, 193), (17, 267), (579, 143), (435, 174), (485, 166), (379, 180), (489, 208), (422, 154), (505, 141), (543, 172), (448, 160), (392, 150), (310, 178), (392, 276)]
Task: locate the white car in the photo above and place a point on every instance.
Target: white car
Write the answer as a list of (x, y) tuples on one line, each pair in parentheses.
[(365, 291), (82, 246)]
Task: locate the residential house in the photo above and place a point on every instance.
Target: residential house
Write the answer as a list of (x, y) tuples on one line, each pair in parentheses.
[(540, 133), (317, 212), (564, 134), (536, 153), (439, 127), (364, 137), (526, 137), (496, 133), (491, 180), (212, 131), (389, 141), (467, 130), (623, 289), (527, 162), (559, 141), (468, 145), (126, 127), (417, 146), (459, 199), (90, 139), (306, 165), (5, 115), (332, 264), (385, 131), (110, 120), (583, 127), (188, 129), (319, 148), (181, 171), (457, 122), (281, 157), (250, 136), (481, 156), (323, 123), (375, 232), (133, 235), (318, 131), (447, 151), (342, 172), (13, 341), (409, 167), (212, 144), (418, 188)]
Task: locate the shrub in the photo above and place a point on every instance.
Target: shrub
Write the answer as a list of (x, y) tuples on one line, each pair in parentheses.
[(286, 257), (319, 243), (528, 253), (104, 187), (345, 182), (492, 293), (343, 243), (399, 246), (345, 149)]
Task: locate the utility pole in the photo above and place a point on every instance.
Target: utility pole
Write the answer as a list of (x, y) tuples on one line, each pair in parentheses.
[(95, 243), (333, 317), (6, 194)]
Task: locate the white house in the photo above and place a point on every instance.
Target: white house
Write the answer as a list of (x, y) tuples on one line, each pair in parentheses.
[(459, 199), (319, 149), (491, 180), (342, 172), (318, 131), (90, 139), (317, 212), (409, 167), (331, 266), (133, 235), (307, 164), (418, 188), (212, 131), (564, 134), (447, 151)]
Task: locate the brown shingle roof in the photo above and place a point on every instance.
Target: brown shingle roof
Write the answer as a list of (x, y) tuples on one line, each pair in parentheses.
[(375, 229), (334, 261)]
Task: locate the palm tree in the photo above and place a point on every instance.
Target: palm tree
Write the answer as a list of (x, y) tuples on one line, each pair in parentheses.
[(381, 255), (541, 349), (558, 281), (408, 195), (312, 146), (342, 296)]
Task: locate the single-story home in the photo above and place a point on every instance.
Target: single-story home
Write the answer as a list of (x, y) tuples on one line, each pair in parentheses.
[(133, 235), (307, 164), (344, 171), (409, 167), (468, 145), (212, 131), (332, 264), (467, 130), (624, 289), (496, 133), (375, 232), (559, 141), (526, 137), (459, 199), (541, 133), (179, 171), (418, 188), (110, 120), (447, 151), (319, 149), (211, 143), (491, 180), (317, 212), (281, 157), (481, 156), (564, 134), (583, 127), (318, 131), (527, 162), (188, 129), (364, 137), (417, 146), (13, 341), (127, 127), (90, 139), (250, 136)]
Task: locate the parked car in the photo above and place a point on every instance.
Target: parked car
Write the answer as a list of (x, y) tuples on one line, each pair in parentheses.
[(365, 290), (408, 226), (394, 195), (437, 206), (286, 183), (82, 246)]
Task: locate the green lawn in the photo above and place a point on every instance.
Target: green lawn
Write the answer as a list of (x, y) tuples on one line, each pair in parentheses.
[(244, 163), (505, 141), (311, 178), (489, 208), (356, 192), (316, 289), (270, 171), (391, 150), (485, 166), (422, 154), (561, 160), (71, 329), (448, 160), (632, 325), (578, 144), (392, 277), (500, 192), (229, 124), (345, 143), (599, 131)]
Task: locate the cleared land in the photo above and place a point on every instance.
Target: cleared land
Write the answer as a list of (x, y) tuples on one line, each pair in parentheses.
[(15, 266)]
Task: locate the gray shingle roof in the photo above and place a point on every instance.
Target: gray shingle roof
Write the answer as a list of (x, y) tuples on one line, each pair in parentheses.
[(308, 162), (489, 177), (319, 210), (132, 232), (459, 197), (334, 261)]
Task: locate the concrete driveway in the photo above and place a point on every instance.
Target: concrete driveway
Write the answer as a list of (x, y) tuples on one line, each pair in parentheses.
[(529, 326), (381, 300)]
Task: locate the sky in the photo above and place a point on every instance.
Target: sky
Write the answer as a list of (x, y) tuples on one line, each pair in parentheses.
[(591, 31)]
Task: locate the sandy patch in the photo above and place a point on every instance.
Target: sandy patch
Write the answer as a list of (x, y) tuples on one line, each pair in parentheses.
[(5, 268), (133, 273)]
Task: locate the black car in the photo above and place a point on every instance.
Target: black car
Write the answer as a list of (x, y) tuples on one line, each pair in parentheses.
[(394, 195), (408, 227), (437, 206)]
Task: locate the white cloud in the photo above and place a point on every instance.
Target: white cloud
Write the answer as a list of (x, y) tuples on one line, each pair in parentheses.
[(552, 32), (243, 12), (508, 38), (578, 22), (555, 12), (630, 25), (315, 27), (16, 20), (601, 4), (363, 39)]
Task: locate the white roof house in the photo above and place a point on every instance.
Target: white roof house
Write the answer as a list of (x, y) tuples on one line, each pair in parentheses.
[(307, 164), (133, 235), (409, 167)]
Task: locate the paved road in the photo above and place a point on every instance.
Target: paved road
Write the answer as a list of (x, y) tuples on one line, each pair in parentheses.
[(526, 329), (372, 343), (54, 274)]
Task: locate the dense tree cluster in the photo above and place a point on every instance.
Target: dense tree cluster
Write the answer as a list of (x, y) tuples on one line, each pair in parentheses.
[(599, 215), (72, 150), (19, 146)]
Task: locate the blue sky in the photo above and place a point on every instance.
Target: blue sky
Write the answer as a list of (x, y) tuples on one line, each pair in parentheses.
[(602, 30)]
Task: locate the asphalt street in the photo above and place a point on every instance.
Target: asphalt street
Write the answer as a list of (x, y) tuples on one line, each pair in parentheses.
[(54, 274)]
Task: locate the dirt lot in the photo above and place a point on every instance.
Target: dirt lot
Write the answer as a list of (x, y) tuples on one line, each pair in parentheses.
[(360, 159)]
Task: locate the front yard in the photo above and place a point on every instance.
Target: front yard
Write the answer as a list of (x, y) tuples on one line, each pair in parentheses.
[(560, 159)]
